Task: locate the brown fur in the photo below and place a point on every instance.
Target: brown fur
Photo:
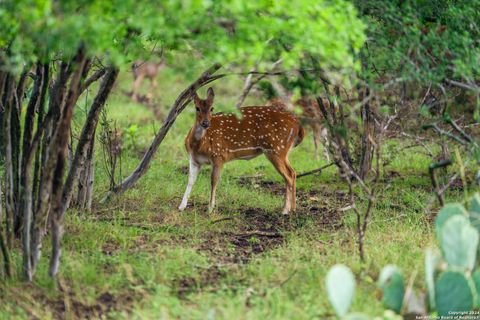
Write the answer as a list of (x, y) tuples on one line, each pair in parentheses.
[(311, 115), (142, 70), (260, 130)]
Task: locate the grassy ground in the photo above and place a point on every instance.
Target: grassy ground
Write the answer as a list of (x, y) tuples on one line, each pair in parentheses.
[(138, 257)]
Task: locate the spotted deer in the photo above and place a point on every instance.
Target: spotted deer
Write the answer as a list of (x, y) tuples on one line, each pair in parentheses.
[(309, 114), (218, 138)]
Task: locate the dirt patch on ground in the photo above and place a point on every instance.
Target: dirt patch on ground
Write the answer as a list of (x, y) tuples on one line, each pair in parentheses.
[(208, 278), (67, 305), (321, 205), (255, 230)]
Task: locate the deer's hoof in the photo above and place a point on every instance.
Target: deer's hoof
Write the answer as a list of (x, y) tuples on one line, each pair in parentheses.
[(182, 207)]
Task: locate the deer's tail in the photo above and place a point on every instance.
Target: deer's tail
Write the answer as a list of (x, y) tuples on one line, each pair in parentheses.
[(300, 135)]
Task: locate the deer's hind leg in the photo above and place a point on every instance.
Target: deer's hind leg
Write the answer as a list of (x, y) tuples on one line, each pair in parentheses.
[(136, 86), (293, 176), (216, 173), (286, 171)]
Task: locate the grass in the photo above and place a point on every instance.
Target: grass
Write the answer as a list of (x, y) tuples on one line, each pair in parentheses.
[(138, 257)]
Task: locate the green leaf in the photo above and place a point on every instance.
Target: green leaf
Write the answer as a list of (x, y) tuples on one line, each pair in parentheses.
[(340, 284), (393, 287), (459, 242), (454, 292)]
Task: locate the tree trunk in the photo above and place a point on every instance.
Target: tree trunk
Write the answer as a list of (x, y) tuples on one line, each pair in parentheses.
[(90, 177), (366, 155), (182, 101), (87, 137), (57, 98), (3, 244), (60, 142), (40, 117), (15, 129), (9, 170)]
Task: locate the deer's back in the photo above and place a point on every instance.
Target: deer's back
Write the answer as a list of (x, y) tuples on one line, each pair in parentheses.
[(259, 130), (148, 69)]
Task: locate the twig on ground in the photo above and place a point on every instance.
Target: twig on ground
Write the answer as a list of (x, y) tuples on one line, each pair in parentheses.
[(433, 177), (315, 170), (222, 219), (260, 233)]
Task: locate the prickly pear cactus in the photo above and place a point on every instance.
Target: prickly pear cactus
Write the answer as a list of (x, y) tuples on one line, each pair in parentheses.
[(459, 242), (340, 284), (454, 292), (474, 211), (432, 261), (476, 281), (449, 210), (392, 284)]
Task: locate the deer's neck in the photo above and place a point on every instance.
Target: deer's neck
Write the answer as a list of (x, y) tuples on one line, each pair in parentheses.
[(198, 132)]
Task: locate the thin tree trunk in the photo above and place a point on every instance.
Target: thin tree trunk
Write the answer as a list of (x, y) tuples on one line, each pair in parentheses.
[(90, 176), (366, 155), (26, 171), (82, 187), (48, 159), (3, 244), (87, 137), (3, 85), (182, 101), (9, 170), (40, 111), (61, 142), (16, 137)]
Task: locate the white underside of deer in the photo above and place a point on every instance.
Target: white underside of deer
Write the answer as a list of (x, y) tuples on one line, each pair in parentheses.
[(220, 138)]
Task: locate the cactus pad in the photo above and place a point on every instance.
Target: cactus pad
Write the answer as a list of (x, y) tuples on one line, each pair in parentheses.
[(459, 241), (454, 292), (446, 212), (392, 284), (340, 284)]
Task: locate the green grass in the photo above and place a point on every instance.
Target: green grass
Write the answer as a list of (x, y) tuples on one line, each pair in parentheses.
[(138, 257)]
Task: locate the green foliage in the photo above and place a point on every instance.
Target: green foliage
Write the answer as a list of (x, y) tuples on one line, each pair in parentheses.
[(392, 284), (423, 40), (340, 284), (454, 291), (236, 31)]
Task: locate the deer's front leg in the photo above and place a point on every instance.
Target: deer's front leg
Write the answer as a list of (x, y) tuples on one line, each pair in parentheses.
[(216, 173), (193, 171)]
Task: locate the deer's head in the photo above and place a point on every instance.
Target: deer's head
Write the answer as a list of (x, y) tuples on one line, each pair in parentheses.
[(204, 109)]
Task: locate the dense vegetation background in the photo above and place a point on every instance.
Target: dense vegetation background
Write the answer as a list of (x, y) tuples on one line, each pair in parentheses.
[(91, 176)]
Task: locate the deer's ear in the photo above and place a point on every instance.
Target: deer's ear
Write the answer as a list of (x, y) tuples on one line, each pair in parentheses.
[(196, 98), (210, 96)]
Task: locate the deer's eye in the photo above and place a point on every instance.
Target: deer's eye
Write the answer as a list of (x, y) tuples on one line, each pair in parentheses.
[(198, 109), (211, 110)]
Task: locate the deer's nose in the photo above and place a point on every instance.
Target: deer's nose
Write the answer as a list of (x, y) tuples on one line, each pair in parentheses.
[(205, 124)]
